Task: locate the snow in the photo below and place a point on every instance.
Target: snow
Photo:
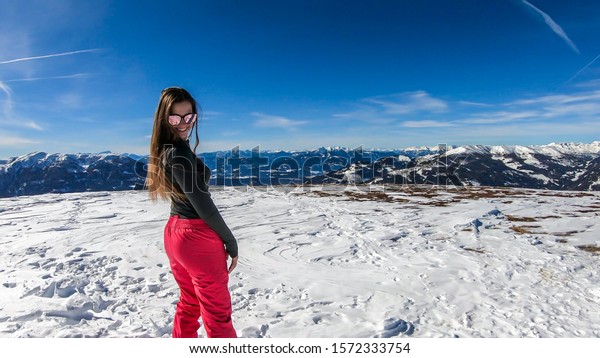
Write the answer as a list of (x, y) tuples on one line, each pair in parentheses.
[(479, 149), (558, 151), (422, 148), (540, 177), (403, 261), (527, 154), (570, 148), (500, 150), (456, 151)]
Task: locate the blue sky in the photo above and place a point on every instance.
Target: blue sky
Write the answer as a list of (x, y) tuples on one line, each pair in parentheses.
[(85, 76)]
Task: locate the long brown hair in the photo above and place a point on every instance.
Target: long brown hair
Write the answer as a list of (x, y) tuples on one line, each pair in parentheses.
[(163, 135)]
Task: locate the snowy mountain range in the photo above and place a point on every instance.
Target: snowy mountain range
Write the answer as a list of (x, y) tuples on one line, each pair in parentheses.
[(563, 166), (560, 166), (39, 173)]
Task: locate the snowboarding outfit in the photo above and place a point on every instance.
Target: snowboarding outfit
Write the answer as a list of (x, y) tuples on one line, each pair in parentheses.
[(197, 242)]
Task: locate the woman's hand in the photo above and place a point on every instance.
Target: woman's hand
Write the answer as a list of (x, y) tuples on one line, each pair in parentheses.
[(233, 264)]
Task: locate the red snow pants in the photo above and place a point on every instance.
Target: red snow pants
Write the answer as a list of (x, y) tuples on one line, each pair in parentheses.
[(199, 263)]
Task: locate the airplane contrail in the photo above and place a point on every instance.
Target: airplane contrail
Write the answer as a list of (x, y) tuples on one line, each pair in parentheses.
[(553, 25), (48, 56), (5, 88), (8, 104), (581, 70), (7, 109), (77, 75)]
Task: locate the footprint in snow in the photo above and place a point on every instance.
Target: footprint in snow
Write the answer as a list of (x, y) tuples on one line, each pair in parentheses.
[(476, 224), (74, 315), (41, 251), (394, 327), (255, 332)]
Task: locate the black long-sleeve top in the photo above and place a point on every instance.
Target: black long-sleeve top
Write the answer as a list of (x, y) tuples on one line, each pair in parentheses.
[(189, 173)]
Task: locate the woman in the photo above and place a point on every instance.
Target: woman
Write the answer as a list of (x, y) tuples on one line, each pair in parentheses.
[(197, 240)]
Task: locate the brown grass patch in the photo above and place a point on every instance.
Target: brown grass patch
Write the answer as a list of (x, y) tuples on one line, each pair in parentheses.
[(372, 195), (590, 248), (399, 200), (562, 241), (424, 193), (566, 195), (524, 229), (436, 203), (567, 233), (321, 194), (483, 194), (520, 218), (479, 251), (489, 193)]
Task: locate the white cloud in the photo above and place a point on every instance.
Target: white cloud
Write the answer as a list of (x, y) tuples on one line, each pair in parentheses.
[(500, 117), (367, 114), (408, 102), (582, 106), (559, 99), (474, 104), (589, 84), (577, 110), (527, 131), (33, 125), (12, 140), (575, 106), (387, 109), (426, 124), (502, 134), (266, 120)]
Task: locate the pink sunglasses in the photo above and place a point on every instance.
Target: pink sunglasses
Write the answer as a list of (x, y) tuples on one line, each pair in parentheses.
[(175, 119)]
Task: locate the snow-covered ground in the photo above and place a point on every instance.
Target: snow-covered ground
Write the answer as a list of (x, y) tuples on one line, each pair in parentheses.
[(406, 261)]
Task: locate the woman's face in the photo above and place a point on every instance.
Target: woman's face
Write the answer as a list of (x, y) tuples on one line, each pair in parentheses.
[(181, 109)]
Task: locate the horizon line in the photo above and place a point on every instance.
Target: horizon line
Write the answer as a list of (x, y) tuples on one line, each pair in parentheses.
[(450, 146)]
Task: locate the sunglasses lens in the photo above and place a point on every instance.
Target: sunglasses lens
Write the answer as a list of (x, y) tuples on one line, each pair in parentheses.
[(174, 120), (189, 118)]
